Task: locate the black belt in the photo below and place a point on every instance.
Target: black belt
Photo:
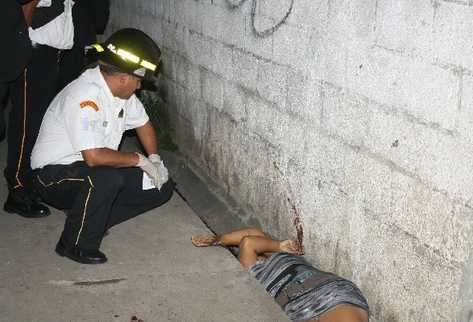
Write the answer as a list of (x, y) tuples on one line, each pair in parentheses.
[(295, 288)]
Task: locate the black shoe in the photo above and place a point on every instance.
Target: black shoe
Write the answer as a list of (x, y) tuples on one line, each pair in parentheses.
[(24, 205), (80, 255)]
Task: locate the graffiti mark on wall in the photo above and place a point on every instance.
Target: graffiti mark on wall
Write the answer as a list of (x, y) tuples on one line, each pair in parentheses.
[(266, 32)]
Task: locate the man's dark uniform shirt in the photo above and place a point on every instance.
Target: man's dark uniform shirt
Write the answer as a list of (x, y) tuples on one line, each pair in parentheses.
[(14, 35)]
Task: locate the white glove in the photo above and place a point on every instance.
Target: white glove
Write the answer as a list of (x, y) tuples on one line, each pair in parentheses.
[(163, 171), (151, 170)]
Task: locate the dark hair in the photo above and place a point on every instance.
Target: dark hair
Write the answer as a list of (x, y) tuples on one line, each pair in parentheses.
[(109, 69)]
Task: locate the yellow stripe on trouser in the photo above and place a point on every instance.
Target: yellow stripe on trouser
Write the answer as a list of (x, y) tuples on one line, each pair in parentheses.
[(86, 200), (85, 210), (18, 166), (58, 182)]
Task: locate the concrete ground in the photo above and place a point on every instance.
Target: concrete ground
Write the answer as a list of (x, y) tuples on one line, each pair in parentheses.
[(153, 273)]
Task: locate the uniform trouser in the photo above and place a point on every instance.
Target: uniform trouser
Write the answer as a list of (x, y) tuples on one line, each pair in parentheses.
[(30, 95), (71, 65), (3, 94), (96, 198)]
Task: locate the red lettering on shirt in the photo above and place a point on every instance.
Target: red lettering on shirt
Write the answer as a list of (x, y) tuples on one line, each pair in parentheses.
[(91, 104)]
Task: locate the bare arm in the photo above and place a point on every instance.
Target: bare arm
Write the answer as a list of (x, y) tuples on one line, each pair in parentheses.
[(28, 11), (109, 157), (148, 139)]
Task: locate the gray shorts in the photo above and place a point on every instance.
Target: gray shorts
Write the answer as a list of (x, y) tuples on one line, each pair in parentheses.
[(282, 269)]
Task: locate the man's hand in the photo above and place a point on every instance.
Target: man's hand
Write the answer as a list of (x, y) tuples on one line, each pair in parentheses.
[(28, 10), (157, 171), (163, 171)]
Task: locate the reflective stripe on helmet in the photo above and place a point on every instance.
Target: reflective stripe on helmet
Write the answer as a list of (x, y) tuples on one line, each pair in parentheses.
[(128, 56), (146, 64), (124, 54), (97, 47)]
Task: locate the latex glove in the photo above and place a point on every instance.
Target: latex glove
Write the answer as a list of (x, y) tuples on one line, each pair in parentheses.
[(151, 170), (163, 171)]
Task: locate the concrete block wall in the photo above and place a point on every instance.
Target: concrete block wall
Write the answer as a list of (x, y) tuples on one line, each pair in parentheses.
[(355, 117)]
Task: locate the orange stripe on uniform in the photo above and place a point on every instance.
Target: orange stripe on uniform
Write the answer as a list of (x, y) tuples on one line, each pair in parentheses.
[(22, 148), (91, 104)]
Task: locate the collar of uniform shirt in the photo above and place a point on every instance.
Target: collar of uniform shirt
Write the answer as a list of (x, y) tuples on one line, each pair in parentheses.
[(119, 104)]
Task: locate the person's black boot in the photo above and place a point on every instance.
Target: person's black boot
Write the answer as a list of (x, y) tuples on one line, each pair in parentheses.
[(21, 203), (80, 255)]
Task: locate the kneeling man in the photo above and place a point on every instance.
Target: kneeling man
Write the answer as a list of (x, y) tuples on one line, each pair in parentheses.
[(76, 159)]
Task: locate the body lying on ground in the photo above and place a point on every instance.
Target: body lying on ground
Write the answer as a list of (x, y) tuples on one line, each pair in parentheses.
[(304, 292)]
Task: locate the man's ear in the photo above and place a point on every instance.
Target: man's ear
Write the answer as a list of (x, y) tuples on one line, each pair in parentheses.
[(123, 78)]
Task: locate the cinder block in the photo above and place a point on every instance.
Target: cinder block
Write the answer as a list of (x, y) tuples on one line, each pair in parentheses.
[(221, 59), (309, 13), (169, 7), (193, 84), (406, 26), (198, 49), (188, 14), (304, 96), (430, 216), (273, 126), (453, 36), (235, 101), (291, 47), (465, 113), (423, 152), (427, 92), (181, 65), (245, 68), (260, 116), (272, 82), (272, 9), (146, 8), (180, 103), (155, 30), (232, 26), (169, 39), (213, 21), (212, 89), (167, 66), (388, 258), (196, 112), (159, 10), (167, 91), (262, 47), (352, 21), (345, 116)]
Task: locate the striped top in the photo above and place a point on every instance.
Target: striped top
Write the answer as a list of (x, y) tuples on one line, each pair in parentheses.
[(282, 269)]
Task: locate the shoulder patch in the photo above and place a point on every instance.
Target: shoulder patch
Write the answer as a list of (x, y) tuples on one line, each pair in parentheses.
[(91, 104)]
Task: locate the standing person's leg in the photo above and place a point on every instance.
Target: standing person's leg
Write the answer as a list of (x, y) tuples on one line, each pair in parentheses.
[(71, 65), (132, 200), (3, 100), (30, 96)]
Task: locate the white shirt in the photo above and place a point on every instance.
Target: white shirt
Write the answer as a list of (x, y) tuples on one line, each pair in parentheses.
[(57, 33), (84, 115)]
